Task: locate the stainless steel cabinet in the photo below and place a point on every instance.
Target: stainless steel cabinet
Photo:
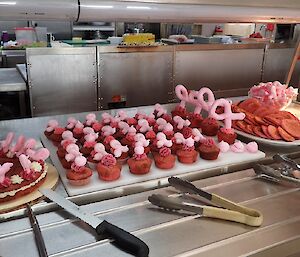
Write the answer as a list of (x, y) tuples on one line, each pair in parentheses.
[(62, 80)]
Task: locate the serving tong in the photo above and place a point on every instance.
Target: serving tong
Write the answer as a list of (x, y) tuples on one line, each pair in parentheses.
[(225, 209), (284, 172)]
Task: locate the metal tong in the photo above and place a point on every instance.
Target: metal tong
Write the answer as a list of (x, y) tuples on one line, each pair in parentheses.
[(279, 174), (230, 211)]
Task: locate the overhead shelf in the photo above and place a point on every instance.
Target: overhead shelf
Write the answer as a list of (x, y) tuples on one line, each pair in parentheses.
[(93, 28)]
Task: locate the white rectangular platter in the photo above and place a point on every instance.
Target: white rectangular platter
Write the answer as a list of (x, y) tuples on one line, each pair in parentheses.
[(127, 178)]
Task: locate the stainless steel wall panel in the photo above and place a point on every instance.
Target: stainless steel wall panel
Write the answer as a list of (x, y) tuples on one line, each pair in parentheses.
[(277, 63), (219, 70), (62, 80), (142, 78)]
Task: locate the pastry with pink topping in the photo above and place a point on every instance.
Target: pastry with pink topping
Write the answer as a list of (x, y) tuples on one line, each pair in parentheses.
[(209, 150), (227, 135), (72, 151), (78, 130), (164, 159), (139, 164), (209, 127), (90, 119), (56, 136), (79, 174), (22, 178), (187, 153), (89, 143), (119, 151), (97, 154), (51, 125), (68, 138), (180, 123), (108, 169)]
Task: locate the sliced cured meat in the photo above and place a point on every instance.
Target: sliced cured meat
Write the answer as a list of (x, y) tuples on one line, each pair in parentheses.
[(249, 104), (286, 136), (265, 131), (286, 115), (258, 132), (260, 121), (273, 120), (292, 127), (274, 132), (241, 124), (249, 129)]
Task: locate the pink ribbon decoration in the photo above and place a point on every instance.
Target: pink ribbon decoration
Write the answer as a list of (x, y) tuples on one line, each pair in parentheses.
[(71, 123), (25, 162), (18, 146), (144, 126), (29, 144), (108, 131), (139, 150), (88, 130), (197, 135), (179, 138), (228, 116), (160, 110), (132, 130), (124, 127), (161, 123), (67, 135), (4, 168), (41, 154), (51, 125), (106, 117), (211, 98), (122, 115), (182, 94), (118, 148), (162, 140), (72, 152), (140, 139), (5, 144), (92, 137), (194, 99), (99, 152), (79, 125), (90, 119), (181, 122)]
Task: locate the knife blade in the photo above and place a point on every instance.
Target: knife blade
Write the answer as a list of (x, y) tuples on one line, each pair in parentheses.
[(122, 238)]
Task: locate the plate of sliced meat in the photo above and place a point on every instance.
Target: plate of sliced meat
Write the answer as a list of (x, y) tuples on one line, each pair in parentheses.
[(267, 125)]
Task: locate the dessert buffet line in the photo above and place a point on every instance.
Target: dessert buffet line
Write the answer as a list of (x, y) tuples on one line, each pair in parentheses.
[(112, 151), (118, 150)]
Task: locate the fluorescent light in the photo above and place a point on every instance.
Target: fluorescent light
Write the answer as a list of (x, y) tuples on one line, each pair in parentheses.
[(139, 7), (8, 3), (98, 6)]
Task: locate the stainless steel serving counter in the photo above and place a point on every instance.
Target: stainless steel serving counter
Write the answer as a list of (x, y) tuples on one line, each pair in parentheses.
[(166, 233)]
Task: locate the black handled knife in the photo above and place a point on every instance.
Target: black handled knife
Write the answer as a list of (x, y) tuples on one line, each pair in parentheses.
[(122, 238)]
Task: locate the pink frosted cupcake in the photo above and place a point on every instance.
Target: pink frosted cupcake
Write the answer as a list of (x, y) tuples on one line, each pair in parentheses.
[(108, 169), (51, 125), (180, 123), (90, 120), (139, 164), (79, 174), (164, 159), (187, 153), (78, 130), (119, 151), (88, 146)]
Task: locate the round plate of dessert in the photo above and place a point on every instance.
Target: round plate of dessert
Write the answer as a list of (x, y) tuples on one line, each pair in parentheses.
[(23, 171)]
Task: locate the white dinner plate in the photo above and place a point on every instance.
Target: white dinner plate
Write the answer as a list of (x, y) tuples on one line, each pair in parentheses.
[(268, 141)]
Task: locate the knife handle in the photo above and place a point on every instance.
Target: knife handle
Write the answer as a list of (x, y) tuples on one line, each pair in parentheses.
[(123, 239)]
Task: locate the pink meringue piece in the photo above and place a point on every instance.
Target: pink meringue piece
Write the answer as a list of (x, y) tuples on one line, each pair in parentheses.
[(80, 161), (52, 124), (71, 123), (224, 147), (4, 168), (237, 147), (139, 150), (252, 147)]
